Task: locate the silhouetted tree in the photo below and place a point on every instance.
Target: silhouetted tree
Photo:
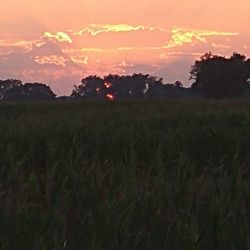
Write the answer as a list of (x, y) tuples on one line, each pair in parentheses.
[(89, 89), (155, 88), (170, 91), (29, 92), (115, 87), (138, 85), (131, 86), (178, 84), (6, 85), (220, 77)]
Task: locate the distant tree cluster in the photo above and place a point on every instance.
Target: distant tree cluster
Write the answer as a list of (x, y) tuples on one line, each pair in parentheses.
[(127, 87), (220, 77), (214, 77), (15, 90)]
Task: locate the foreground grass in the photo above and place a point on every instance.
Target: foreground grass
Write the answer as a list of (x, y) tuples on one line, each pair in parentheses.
[(125, 176)]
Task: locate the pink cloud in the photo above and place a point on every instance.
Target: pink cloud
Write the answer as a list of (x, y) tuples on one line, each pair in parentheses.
[(63, 58)]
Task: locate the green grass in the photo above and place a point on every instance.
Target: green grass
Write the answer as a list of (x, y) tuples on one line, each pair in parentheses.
[(166, 175)]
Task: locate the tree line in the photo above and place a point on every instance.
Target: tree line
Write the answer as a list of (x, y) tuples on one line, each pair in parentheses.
[(213, 77)]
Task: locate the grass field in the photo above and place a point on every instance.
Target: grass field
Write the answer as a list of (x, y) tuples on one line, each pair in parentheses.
[(166, 175)]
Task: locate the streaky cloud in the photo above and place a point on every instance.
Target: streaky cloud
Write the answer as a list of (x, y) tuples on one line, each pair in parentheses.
[(95, 29), (180, 36), (176, 54), (220, 46), (80, 60), (59, 36), (52, 59), (26, 45)]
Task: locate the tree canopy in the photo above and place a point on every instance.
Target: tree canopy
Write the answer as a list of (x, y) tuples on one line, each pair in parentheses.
[(136, 87), (7, 85), (15, 90), (219, 77)]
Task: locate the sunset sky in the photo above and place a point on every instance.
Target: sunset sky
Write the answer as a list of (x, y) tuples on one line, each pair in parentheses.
[(58, 42)]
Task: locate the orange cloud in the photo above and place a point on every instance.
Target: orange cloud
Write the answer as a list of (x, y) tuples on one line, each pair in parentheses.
[(95, 29), (109, 48), (52, 59), (59, 36), (220, 46), (20, 45), (79, 60), (178, 54), (26, 45), (180, 37)]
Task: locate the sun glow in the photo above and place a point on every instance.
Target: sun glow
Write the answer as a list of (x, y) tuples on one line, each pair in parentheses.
[(108, 85), (110, 97)]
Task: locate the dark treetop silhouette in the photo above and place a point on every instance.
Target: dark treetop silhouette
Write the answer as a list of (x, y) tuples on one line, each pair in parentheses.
[(128, 87), (14, 90), (214, 77), (220, 77)]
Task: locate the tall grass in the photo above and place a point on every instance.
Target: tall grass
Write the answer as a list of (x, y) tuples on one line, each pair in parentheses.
[(163, 175)]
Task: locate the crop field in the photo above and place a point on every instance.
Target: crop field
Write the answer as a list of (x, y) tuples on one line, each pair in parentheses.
[(136, 175)]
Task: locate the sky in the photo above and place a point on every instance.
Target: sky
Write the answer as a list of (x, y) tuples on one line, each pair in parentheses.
[(60, 42)]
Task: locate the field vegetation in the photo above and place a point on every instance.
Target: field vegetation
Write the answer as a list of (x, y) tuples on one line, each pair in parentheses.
[(125, 175)]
